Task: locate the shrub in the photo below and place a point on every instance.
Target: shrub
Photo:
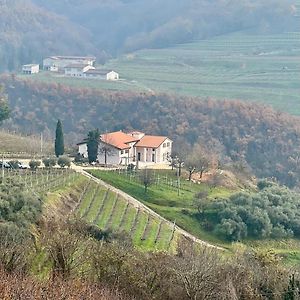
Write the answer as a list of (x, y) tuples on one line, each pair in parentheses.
[(272, 212), (49, 162), (64, 161), (34, 164)]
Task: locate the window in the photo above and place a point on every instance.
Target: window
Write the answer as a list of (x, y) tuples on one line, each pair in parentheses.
[(168, 144), (153, 149), (122, 152), (126, 151), (153, 157), (164, 145), (139, 156)]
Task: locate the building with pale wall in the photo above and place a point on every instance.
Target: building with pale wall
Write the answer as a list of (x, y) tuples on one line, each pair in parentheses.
[(31, 69), (119, 148)]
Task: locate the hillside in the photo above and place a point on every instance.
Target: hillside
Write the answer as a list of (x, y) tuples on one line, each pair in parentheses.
[(242, 65), (28, 33), (251, 136), (32, 29), (22, 145)]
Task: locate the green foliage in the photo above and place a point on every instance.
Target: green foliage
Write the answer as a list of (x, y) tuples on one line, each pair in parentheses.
[(4, 109), (49, 162), (17, 207), (93, 144), (34, 164), (59, 140), (64, 161), (14, 164), (233, 131), (273, 212)]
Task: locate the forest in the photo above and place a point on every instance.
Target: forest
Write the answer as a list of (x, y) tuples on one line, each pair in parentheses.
[(252, 137), (32, 29)]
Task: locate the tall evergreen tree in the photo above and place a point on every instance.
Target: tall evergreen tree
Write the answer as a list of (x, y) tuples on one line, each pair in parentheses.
[(92, 145), (59, 140), (4, 110)]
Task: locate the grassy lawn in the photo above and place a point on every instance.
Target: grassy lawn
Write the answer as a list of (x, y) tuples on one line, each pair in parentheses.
[(164, 199)]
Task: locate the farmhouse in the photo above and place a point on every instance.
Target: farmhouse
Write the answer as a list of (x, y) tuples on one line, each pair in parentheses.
[(30, 69), (102, 74), (58, 63), (77, 70), (119, 148)]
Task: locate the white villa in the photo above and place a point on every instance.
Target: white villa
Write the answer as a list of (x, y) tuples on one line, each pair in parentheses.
[(58, 63), (31, 69), (119, 148)]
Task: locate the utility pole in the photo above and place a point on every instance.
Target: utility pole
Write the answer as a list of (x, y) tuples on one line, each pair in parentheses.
[(41, 142)]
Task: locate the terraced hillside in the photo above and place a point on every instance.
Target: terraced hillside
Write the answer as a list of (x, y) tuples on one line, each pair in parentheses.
[(240, 65), (109, 210)]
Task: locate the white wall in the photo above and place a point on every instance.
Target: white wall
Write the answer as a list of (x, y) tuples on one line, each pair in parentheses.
[(112, 76), (82, 149)]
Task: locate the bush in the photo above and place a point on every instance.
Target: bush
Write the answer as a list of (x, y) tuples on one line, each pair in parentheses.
[(14, 164), (49, 162), (272, 212), (34, 164), (64, 161)]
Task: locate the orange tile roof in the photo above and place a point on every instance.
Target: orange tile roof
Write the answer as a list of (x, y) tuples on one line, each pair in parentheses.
[(150, 141), (118, 139)]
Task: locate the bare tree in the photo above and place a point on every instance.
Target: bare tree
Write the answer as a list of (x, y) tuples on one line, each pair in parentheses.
[(146, 178), (104, 147), (197, 271), (197, 161)]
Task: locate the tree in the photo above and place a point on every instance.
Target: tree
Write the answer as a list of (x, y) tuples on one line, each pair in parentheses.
[(49, 162), (64, 161), (93, 144), (146, 178), (105, 147), (59, 140), (201, 200), (197, 161), (4, 110)]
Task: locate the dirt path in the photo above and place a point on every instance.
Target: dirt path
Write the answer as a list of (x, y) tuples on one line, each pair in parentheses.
[(138, 204)]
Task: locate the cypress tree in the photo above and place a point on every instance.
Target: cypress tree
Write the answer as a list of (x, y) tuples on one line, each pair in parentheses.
[(92, 145), (59, 140)]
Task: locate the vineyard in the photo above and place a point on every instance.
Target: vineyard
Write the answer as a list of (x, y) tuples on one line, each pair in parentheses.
[(110, 211), (42, 181)]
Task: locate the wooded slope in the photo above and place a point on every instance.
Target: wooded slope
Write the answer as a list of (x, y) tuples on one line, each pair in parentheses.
[(252, 135)]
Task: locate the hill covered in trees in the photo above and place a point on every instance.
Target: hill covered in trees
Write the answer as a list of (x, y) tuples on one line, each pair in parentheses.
[(28, 33), (31, 29), (250, 136)]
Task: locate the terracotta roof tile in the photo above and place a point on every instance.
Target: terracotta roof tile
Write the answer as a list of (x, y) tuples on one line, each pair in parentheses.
[(118, 139), (151, 141)]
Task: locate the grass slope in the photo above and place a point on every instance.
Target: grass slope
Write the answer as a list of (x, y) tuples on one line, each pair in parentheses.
[(263, 68), (13, 143), (108, 210), (165, 200)]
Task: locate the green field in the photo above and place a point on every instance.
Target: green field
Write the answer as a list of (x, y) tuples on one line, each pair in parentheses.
[(110, 211), (263, 68), (241, 65), (163, 198)]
